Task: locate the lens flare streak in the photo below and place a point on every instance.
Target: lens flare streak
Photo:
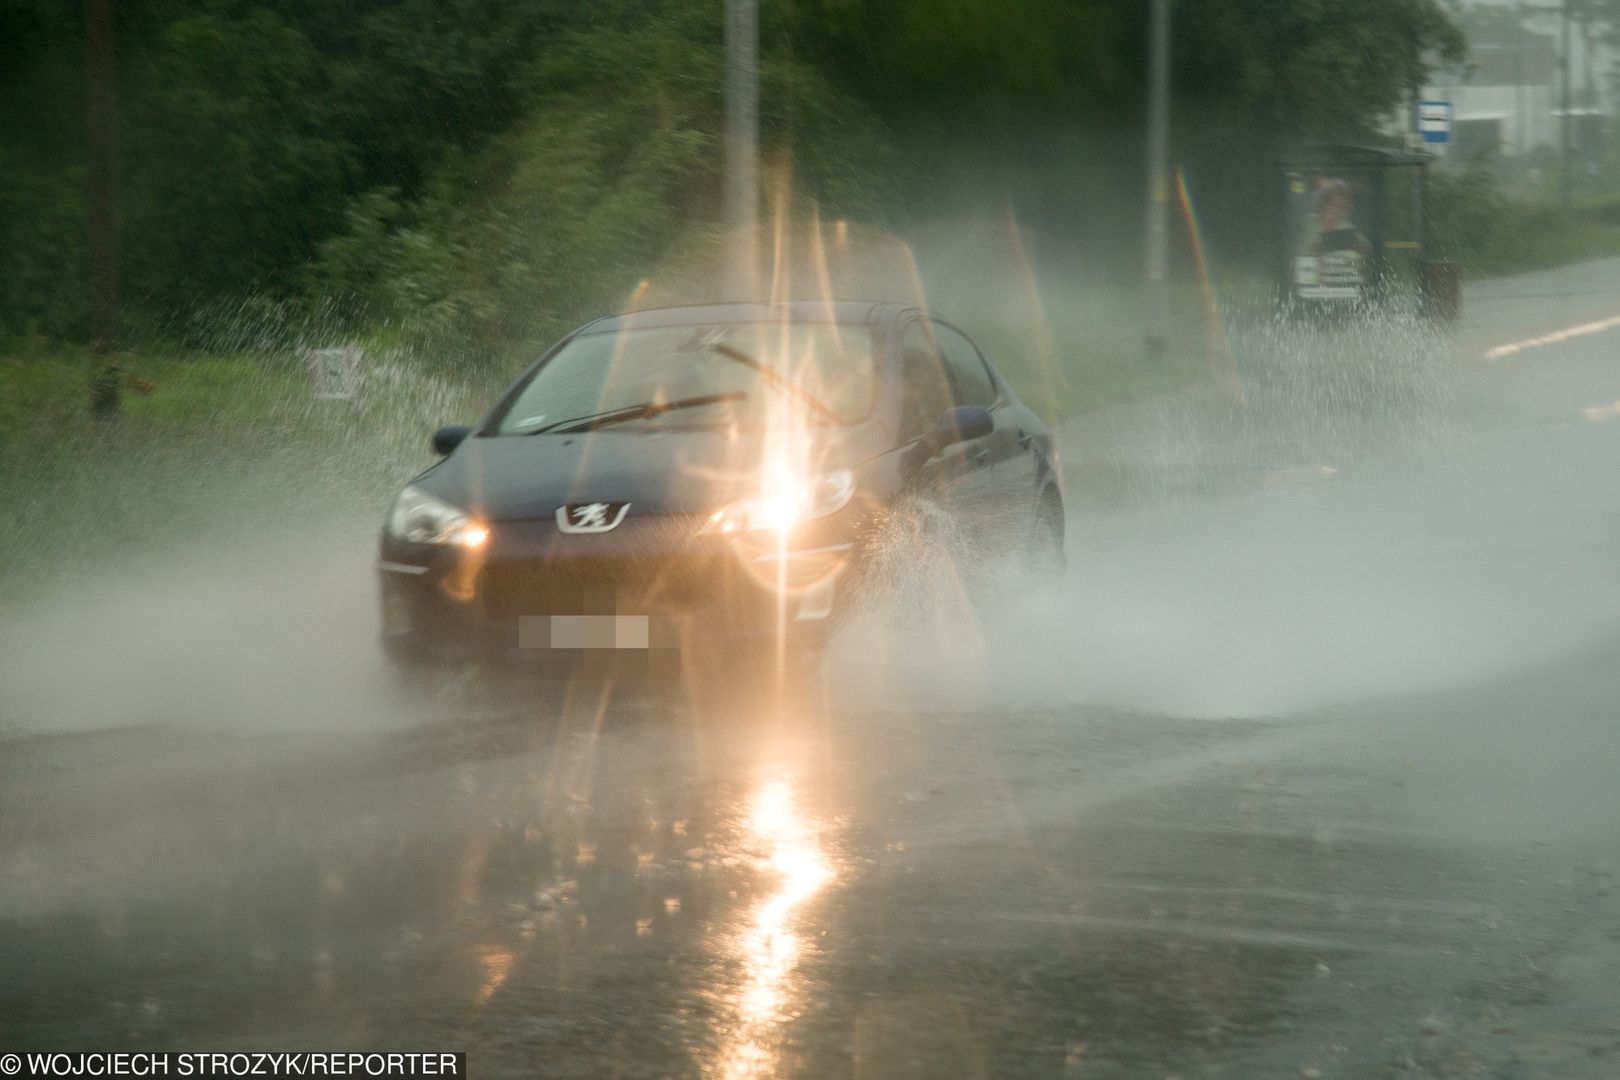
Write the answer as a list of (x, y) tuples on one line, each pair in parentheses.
[(1215, 326)]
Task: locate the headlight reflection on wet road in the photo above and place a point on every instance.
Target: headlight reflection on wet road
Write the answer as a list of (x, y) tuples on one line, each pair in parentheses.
[(496, 963), (769, 947)]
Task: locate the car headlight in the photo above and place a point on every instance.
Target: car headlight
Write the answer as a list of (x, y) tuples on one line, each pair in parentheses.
[(419, 518), (785, 500)]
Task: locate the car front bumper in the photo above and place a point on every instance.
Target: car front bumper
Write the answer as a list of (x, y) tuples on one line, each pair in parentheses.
[(534, 591)]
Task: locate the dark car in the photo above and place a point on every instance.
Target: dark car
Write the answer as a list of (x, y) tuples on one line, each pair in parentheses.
[(720, 474)]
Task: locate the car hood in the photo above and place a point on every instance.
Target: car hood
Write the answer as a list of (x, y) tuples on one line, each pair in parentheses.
[(527, 477)]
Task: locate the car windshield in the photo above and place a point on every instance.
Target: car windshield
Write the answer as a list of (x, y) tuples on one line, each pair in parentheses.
[(711, 375)]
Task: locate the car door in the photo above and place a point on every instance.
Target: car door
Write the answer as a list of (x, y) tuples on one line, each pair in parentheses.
[(1004, 459), (959, 477)]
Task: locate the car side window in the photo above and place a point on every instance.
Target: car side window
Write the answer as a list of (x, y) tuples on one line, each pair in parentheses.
[(925, 387), (967, 367)]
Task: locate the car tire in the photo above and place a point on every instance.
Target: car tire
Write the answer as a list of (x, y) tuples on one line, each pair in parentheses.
[(406, 652), (1048, 559)]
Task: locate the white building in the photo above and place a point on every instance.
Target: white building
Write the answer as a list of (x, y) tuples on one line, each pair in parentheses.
[(1507, 96)]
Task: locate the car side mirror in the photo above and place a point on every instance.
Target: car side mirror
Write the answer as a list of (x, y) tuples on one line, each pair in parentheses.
[(961, 424), (956, 425), (449, 437)]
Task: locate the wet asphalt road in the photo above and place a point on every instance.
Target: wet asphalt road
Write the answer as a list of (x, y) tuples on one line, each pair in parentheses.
[(1310, 772)]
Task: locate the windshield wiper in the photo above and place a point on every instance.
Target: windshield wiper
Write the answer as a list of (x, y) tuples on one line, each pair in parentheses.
[(776, 378), (635, 412)]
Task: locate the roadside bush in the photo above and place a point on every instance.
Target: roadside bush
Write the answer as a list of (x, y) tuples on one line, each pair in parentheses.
[(1475, 223), (1604, 212)]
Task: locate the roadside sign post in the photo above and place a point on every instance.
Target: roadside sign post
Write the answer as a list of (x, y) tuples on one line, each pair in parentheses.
[(334, 374), (1435, 121)]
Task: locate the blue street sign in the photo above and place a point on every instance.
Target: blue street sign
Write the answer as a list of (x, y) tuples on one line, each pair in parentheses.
[(1434, 121)]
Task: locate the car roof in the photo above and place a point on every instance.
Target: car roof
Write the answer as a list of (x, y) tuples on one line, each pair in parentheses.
[(843, 311)]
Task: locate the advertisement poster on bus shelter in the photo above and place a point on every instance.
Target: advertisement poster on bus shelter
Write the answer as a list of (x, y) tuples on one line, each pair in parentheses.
[(1328, 244)]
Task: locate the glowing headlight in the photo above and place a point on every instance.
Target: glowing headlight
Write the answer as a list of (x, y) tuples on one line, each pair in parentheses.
[(420, 518), (785, 501)]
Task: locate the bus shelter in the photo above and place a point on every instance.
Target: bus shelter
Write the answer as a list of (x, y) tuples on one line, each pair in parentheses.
[(1354, 227)]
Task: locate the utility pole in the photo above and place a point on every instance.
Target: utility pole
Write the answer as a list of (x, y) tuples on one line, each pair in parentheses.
[(1521, 120), (1157, 262), (1565, 131), (1591, 142), (741, 190), (102, 215)]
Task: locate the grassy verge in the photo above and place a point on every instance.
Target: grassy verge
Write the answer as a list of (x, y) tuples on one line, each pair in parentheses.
[(45, 394), (224, 450), (1491, 233)]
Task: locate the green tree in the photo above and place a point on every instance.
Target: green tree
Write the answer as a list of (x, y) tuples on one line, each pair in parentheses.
[(614, 164), (489, 167), (233, 169)]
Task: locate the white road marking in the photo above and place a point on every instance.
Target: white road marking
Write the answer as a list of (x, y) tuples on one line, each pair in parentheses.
[(1553, 338)]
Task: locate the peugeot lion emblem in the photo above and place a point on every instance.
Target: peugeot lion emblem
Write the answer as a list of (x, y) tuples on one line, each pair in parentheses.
[(595, 517)]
